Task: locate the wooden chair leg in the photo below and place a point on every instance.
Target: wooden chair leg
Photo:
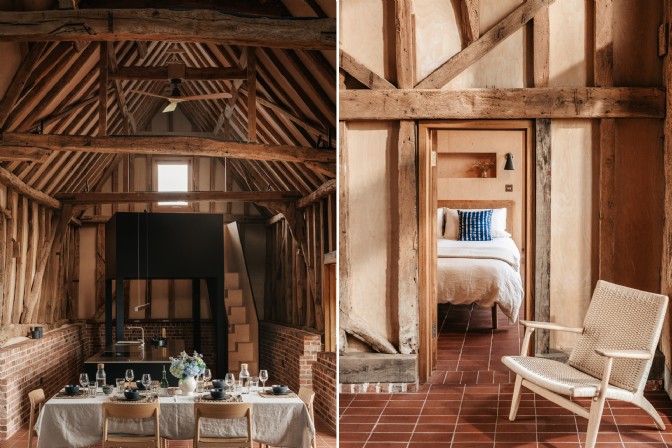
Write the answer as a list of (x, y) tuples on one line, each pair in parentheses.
[(596, 409), (648, 407), (517, 393), (30, 437), (494, 317)]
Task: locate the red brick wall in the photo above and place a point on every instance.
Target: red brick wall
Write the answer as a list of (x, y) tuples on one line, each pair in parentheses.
[(49, 363), (324, 385), (288, 354)]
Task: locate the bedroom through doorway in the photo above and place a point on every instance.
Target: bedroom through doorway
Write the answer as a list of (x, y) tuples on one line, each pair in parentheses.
[(472, 293)]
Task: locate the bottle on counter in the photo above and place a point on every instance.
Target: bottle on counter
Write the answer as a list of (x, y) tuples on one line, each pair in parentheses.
[(244, 378), (100, 376), (163, 384)]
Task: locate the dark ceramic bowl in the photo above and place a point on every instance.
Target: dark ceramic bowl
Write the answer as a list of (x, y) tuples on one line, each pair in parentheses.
[(280, 389), (140, 385), (107, 389), (218, 384), (72, 389), (217, 394), (132, 394)]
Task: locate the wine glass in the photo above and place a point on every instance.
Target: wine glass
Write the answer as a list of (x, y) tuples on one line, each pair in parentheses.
[(207, 375), (146, 380), (129, 375), (84, 380), (230, 380), (263, 377)]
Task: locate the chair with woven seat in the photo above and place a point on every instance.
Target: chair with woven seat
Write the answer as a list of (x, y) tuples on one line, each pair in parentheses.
[(223, 411), (126, 411), (36, 398), (308, 397), (611, 360)]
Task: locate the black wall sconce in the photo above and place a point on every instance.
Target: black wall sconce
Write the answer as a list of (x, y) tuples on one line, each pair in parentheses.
[(509, 162)]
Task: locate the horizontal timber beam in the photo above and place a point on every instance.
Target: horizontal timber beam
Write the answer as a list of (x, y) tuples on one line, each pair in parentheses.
[(171, 196), (322, 191), (583, 102), (26, 154), (168, 145), (191, 73), (10, 180), (167, 25)]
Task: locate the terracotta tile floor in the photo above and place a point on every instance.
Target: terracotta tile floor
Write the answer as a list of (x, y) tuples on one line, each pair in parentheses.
[(466, 403), (325, 438)]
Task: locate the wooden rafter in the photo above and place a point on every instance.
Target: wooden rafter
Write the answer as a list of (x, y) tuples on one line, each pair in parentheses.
[(10, 180), (168, 145), (251, 94), (560, 102), (102, 90), (153, 197), (167, 25), (324, 190), (362, 73), (27, 154), (465, 58)]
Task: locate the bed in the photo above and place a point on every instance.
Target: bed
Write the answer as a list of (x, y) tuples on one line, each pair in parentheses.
[(486, 273)]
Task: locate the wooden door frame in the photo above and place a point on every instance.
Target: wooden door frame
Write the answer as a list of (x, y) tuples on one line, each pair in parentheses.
[(427, 200)]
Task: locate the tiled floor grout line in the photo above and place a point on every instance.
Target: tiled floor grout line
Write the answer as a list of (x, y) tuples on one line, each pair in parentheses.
[(457, 419), (378, 419)]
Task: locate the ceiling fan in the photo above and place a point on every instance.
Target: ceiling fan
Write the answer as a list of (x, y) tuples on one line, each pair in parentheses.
[(176, 97)]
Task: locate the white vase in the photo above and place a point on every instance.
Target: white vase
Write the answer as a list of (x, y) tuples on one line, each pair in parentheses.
[(188, 385)]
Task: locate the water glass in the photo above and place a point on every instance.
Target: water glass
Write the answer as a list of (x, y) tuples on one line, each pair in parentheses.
[(121, 382), (230, 380), (200, 385), (92, 390), (155, 390), (254, 384)]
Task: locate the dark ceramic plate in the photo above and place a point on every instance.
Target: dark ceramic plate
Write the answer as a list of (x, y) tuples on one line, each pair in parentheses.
[(287, 392), (209, 397), (132, 399)]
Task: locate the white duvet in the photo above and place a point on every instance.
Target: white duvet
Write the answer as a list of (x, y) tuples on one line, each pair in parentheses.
[(481, 272)]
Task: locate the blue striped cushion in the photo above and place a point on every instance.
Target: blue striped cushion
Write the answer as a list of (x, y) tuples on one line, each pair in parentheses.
[(475, 226)]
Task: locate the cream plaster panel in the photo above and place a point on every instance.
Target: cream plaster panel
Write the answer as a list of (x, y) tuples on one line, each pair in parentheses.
[(568, 65), (369, 223), (437, 35), (571, 223), (362, 33)]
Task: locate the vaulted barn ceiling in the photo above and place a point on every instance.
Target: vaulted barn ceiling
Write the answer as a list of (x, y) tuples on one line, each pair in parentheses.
[(58, 91)]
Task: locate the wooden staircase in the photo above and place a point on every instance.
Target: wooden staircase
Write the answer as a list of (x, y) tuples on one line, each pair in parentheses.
[(241, 344)]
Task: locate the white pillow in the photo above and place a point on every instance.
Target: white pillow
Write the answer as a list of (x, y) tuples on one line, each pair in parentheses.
[(497, 227), (439, 222)]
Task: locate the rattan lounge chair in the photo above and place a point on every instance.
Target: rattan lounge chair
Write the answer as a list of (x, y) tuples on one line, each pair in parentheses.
[(611, 360)]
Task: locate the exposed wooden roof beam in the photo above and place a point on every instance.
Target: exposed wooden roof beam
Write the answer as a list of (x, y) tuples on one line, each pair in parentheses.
[(251, 94), (323, 191), (560, 102), (303, 122), (26, 154), (102, 90), (167, 25), (362, 73), (10, 180), (165, 196), (191, 73), (168, 145), (493, 37), (19, 81)]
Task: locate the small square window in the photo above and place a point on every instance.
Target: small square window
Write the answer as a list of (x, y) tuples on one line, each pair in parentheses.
[(171, 176)]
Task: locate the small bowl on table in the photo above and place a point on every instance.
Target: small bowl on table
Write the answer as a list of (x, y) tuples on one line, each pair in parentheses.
[(71, 389), (107, 389), (218, 393), (280, 389), (218, 384), (131, 393)]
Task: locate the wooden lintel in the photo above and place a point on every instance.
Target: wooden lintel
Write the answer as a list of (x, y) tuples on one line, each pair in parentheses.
[(362, 73), (558, 102), (165, 196), (10, 180), (167, 25), (324, 190), (493, 37), (15, 153), (169, 145), (191, 73)]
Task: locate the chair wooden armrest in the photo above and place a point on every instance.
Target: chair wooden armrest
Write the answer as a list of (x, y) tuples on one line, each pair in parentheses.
[(550, 326), (629, 354)]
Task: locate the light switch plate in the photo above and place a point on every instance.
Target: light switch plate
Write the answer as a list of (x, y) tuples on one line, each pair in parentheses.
[(508, 187)]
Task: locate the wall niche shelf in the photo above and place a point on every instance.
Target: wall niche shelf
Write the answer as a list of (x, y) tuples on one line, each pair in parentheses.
[(461, 164)]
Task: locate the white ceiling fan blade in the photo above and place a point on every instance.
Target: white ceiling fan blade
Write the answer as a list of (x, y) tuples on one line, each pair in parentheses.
[(212, 96), (170, 107), (140, 92)]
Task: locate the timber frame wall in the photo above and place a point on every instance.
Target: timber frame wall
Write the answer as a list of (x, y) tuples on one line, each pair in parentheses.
[(368, 96)]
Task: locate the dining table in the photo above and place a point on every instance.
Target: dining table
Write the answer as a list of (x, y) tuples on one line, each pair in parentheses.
[(67, 422)]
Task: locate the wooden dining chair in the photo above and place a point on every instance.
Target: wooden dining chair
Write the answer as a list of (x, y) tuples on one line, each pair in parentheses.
[(308, 397), (126, 411), (223, 411), (36, 398)]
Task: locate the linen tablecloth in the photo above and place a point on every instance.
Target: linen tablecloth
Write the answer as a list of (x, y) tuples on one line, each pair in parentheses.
[(78, 422)]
